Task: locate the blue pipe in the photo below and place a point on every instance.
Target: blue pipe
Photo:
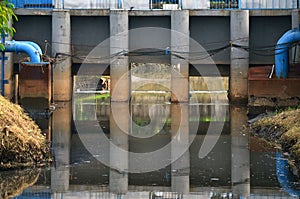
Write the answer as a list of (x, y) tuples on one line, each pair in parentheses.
[(37, 47), (17, 47), (282, 52)]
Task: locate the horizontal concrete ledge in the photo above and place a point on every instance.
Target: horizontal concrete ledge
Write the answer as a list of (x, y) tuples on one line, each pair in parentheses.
[(105, 12)]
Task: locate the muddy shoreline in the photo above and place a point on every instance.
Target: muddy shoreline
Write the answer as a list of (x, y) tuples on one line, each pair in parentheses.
[(282, 130)]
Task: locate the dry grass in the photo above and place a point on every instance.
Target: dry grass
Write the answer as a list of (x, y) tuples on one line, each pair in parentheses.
[(284, 129), (21, 140)]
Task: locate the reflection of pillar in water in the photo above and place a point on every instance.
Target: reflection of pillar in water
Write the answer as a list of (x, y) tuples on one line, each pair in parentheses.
[(61, 135), (240, 154), (119, 129), (180, 144)]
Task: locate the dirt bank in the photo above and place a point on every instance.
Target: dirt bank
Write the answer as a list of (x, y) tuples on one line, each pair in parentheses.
[(21, 141), (283, 130)]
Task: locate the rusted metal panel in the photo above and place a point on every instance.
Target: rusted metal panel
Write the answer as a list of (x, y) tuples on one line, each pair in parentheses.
[(35, 81), (262, 86)]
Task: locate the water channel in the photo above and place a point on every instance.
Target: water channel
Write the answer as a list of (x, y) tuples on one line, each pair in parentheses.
[(233, 165)]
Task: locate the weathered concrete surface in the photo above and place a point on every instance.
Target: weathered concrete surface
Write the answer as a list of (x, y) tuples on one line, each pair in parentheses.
[(61, 49), (180, 41), (193, 12), (119, 67), (8, 72), (61, 141), (295, 25), (239, 30)]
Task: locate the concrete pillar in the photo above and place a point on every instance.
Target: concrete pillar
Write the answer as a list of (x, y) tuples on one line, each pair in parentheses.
[(61, 43), (59, 4), (119, 146), (119, 66), (295, 24), (8, 71), (239, 30), (240, 154), (61, 141), (180, 180), (180, 67)]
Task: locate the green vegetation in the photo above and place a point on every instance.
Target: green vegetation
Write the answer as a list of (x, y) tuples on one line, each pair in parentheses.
[(6, 14), (22, 143)]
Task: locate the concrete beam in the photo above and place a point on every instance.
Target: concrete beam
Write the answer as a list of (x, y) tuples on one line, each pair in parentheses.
[(180, 67), (119, 66), (61, 43), (193, 12), (239, 64)]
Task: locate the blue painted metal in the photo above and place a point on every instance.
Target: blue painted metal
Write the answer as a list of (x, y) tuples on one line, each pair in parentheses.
[(282, 52), (18, 3), (17, 47), (284, 175), (40, 4), (119, 4), (36, 46)]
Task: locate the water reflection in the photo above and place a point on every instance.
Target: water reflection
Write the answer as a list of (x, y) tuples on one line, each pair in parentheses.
[(61, 144), (240, 154), (13, 183), (232, 169)]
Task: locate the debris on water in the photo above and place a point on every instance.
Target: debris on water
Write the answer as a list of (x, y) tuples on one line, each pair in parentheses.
[(282, 131), (214, 179)]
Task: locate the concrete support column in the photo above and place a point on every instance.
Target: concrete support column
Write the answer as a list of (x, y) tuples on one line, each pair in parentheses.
[(295, 24), (113, 4), (61, 43), (61, 140), (240, 154), (239, 30), (119, 146), (180, 67), (119, 66), (180, 168), (8, 71), (59, 4)]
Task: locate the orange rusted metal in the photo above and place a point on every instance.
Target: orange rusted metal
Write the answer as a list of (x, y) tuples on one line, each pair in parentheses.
[(35, 81), (260, 85)]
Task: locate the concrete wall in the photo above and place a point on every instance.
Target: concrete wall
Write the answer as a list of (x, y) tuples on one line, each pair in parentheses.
[(34, 28), (265, 31), (210, 31), (88, 32)]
